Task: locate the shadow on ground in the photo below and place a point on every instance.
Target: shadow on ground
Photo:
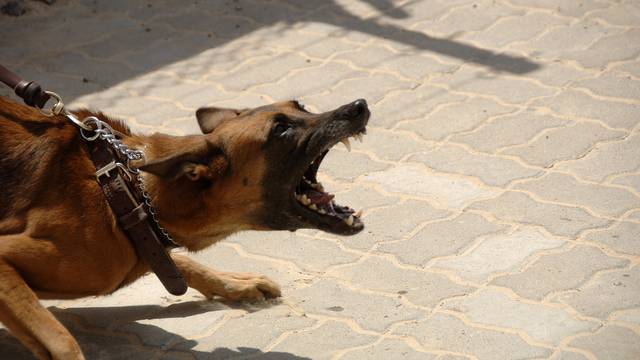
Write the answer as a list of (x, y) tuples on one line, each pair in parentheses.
[(156, 34), (107, 333)]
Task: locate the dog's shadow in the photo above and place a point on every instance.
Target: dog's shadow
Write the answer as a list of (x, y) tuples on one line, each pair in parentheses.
[(107, 333)]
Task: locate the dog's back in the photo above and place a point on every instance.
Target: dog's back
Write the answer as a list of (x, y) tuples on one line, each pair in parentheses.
[(29, 142)]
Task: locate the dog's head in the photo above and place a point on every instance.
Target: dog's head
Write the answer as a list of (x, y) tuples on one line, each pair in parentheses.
[(257, 168)]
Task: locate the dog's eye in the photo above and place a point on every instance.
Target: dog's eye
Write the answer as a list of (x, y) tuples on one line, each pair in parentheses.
[(281, 128)]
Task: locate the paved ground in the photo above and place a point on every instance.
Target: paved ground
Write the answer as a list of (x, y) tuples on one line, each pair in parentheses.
[(500, 177)]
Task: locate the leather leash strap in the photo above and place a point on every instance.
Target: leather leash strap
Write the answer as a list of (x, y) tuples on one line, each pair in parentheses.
[(132, 216), (29, 91), (120, 190)]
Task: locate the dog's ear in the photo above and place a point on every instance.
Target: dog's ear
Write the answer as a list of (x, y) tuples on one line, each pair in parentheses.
[(194, 162), (210, 117)]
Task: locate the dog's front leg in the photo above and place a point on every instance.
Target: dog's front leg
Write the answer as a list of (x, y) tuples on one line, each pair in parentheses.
[(232, 286), (30, 322)]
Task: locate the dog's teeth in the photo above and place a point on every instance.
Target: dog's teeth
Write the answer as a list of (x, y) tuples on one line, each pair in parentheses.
[(346, 143), (318, 186), (358, 214), (305, 199), (349, 220), (313, 207), (321, 211)]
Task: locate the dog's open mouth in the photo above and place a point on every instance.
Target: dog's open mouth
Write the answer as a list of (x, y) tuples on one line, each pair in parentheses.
[(319, 205)]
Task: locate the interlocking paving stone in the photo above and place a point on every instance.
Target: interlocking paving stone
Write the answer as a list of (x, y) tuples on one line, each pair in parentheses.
[(557, 219), (557, 74), (630, 316), (370, 311), (611, 342), (565, 355), (544, 324), (571, 37), (389, 145), (267, 325), (454, 118), (631, 67), (442, 238), (405, 105), (509, 130), (552, 146), (633, 181), (620, 14), (463, 95), (443, 331), (613, 85), (607, 159), (446, 190), (310, 82), (470, 17), (389, 349), (393, 223), (421, 288), (503, 252), (514, 28), (558, 272), (360, 164), (307, 253), (322, 342), (611, 291), (622, 237), (412, 66), (513, 89), (267, 69), (492, 170), (608, 49), (574, 103), (562, 7), (373, 88), (566, 189)]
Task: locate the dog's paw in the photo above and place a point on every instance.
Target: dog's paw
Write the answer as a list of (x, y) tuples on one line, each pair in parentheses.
[(247, 286)]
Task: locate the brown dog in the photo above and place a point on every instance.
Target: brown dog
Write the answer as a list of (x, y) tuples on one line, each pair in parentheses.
[(251, 169)]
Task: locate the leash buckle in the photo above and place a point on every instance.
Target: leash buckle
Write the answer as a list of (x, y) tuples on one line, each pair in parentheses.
[(104, 171)]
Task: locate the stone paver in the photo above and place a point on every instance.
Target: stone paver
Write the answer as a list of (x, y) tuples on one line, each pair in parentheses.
[(612, 342), (442, 238), (544, 324), (448, 332), (558, 272), (497, 254), (500, 176), (552, 145), (611, 291)]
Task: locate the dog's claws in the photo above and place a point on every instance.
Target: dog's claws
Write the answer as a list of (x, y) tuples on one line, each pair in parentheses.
[(349, 220)]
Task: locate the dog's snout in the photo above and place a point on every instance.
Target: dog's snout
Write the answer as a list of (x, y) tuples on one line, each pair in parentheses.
[(356, 108), (360, 104)]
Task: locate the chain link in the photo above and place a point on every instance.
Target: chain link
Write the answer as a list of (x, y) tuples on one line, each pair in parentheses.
[(105, 132)]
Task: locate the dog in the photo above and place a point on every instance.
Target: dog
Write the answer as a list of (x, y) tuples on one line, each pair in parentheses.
[(250, 169)]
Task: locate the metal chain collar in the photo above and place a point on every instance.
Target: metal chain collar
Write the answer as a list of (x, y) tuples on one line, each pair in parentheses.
[(104, 131)]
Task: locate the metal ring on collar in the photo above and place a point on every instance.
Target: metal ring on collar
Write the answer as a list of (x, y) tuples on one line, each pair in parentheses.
[(90, 123), (57, 107)]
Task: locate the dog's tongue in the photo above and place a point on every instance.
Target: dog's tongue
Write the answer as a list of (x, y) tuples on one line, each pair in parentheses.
[(319, 198)]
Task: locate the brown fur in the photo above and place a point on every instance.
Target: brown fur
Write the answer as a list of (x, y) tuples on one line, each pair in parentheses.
[(59, 239)]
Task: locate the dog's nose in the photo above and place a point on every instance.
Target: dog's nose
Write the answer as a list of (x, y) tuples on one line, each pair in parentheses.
[(360, 105), (357, 108)]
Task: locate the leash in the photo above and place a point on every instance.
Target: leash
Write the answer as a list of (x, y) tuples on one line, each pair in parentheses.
[(119, 180)]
